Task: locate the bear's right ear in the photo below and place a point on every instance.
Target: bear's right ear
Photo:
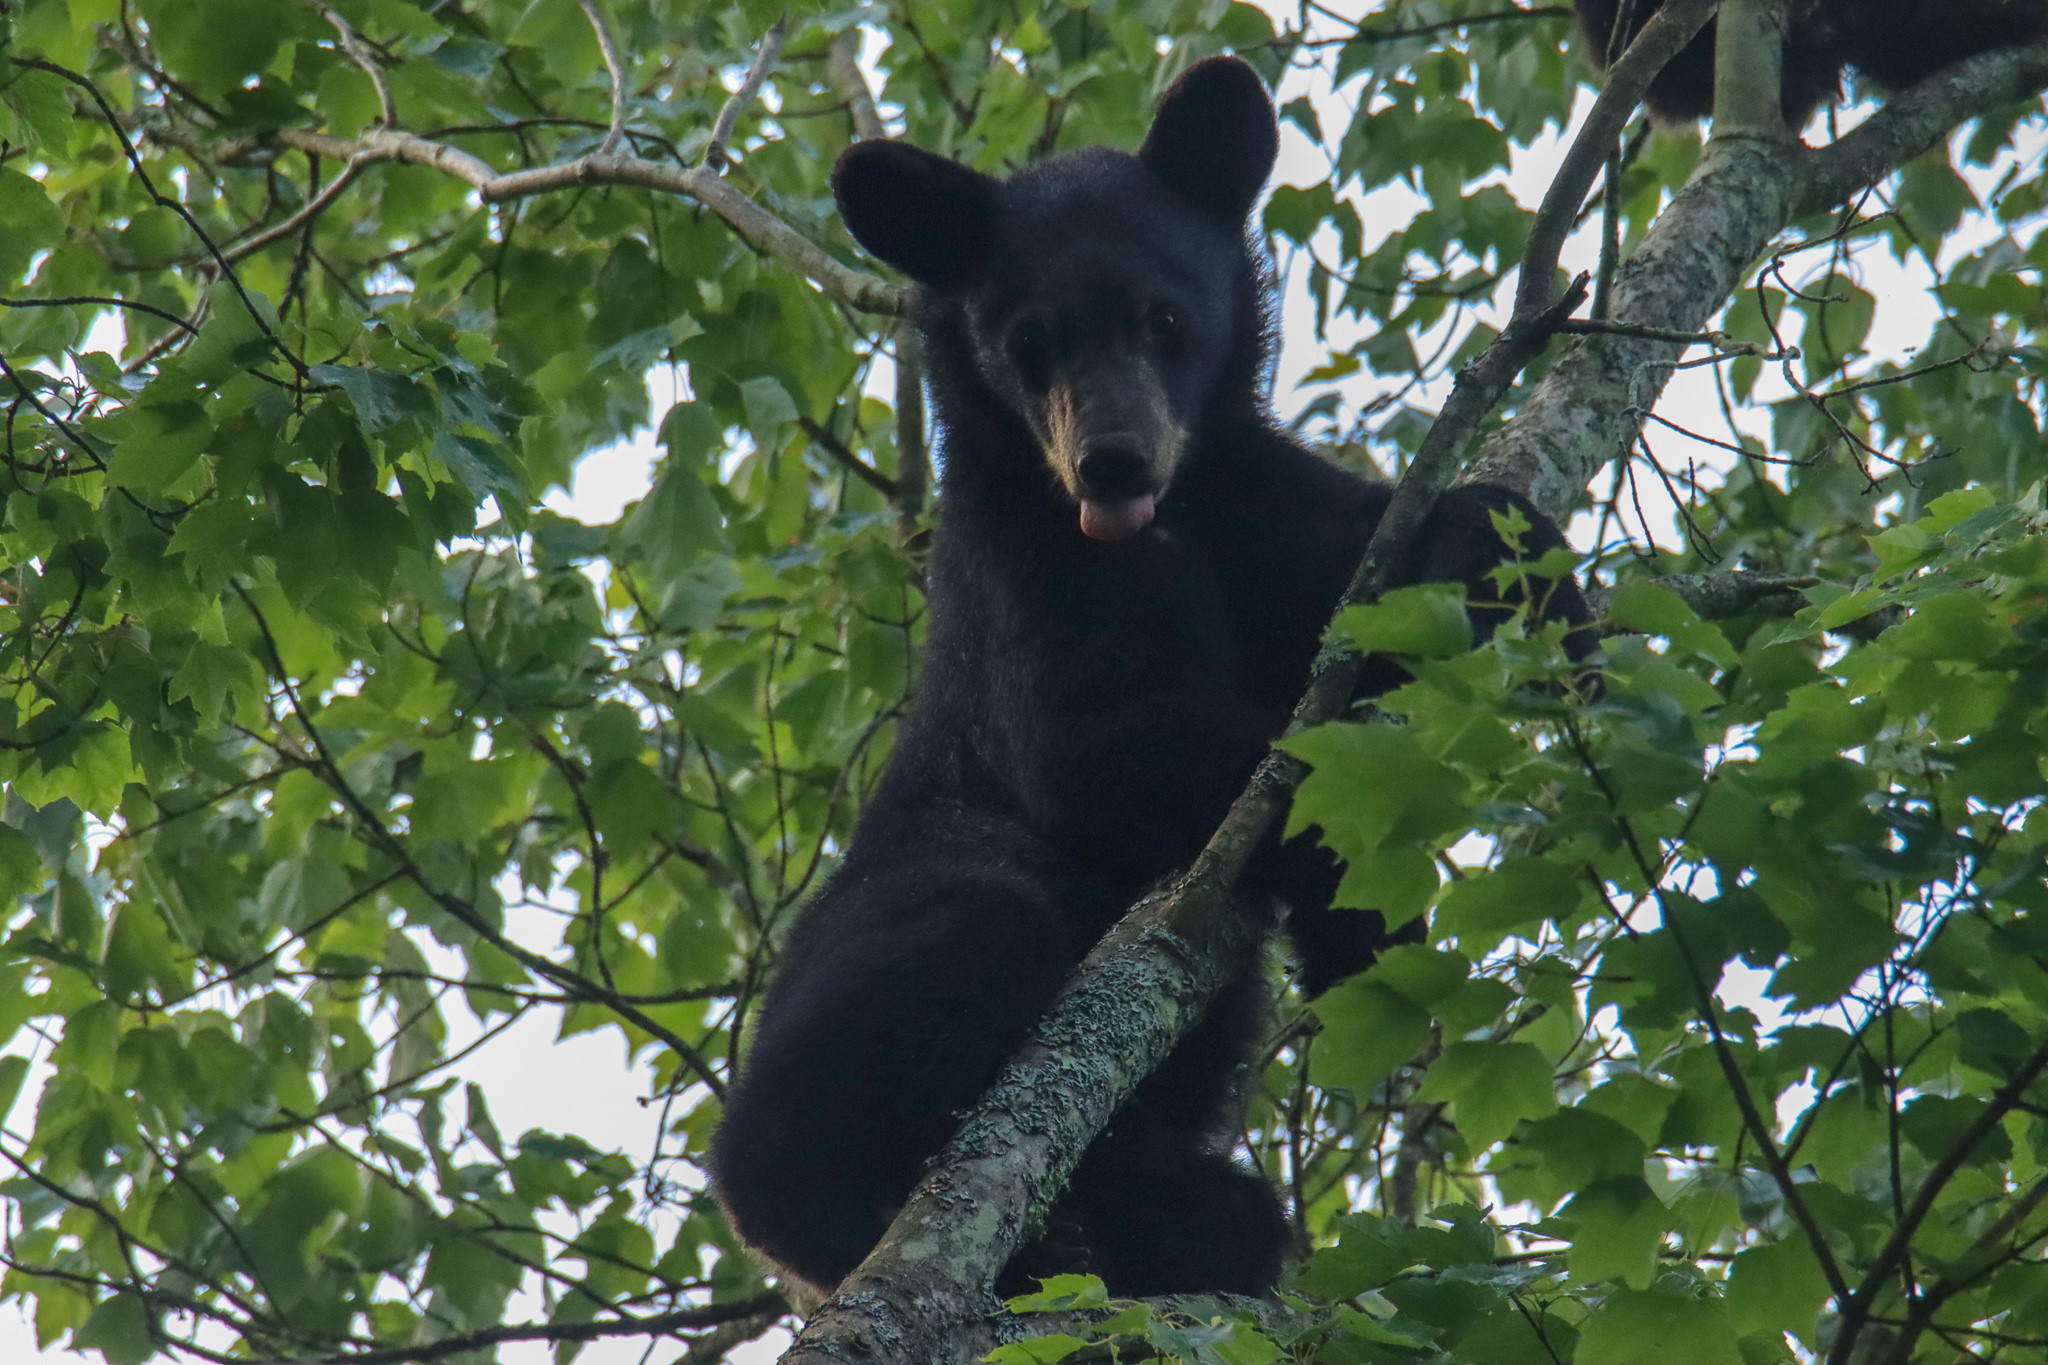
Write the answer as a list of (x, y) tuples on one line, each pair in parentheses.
[(930, 217), (1215, 138)]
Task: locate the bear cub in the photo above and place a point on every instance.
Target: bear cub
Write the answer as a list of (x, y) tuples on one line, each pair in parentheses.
[(1133, 567)]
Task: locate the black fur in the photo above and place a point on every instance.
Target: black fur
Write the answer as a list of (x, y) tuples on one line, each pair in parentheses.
[(1088, 708), (1896, 43)]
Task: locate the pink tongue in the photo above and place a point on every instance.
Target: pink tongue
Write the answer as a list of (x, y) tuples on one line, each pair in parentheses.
[(1115, 520)]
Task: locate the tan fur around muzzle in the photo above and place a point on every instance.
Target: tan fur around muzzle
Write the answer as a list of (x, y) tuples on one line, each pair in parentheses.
[(1070, 418)]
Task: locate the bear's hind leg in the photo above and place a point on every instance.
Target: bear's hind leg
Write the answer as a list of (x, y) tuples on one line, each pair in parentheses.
[(1175, 1217), (898, 1005)]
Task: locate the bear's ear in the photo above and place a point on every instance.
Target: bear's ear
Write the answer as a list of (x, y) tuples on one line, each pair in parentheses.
[(929, 217), (1215, 137)]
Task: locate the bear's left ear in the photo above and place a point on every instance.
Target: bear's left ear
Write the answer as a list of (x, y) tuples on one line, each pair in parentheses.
[(929, 217), (1215, 137)]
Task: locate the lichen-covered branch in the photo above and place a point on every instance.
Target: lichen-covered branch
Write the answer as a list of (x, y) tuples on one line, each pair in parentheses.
[(1746, 190), (1916, 120), (1749, 49), (1732, 592)]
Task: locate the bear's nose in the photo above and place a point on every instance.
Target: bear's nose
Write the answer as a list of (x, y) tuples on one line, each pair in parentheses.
[(1114, 467)]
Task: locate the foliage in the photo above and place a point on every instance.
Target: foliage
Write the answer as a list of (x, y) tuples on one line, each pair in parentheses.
[(329, 747)]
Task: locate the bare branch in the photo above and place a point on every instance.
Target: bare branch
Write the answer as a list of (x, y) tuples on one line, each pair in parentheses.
[(823, 438), (715, 153), (1914, 121), (843, 65), (312, 209), (616, 69), (769, 1305), (359, 52), (1749, 51), (1670, 29), (1725, 344), (1732, 592), (762, 229)]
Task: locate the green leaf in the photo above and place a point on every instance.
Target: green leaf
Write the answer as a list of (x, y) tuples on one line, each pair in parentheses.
[(1428, 620), (1777, 1287), (1368, 1030), (1620, 1227), (13, 1071), (119, 1330), (1656, 610), (1638, 1328), (1518, 893), (1373, 785), (1490, 1087), (1036, 1350), (29, 222)]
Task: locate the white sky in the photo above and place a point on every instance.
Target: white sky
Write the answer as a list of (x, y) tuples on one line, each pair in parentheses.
[(580, 1085)]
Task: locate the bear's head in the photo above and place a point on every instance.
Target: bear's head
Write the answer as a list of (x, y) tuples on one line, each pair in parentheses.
[(1102, 295)]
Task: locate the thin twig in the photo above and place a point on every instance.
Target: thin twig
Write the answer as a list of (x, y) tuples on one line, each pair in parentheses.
[(312, 209), (716, 153), (823, 438), (70, 300), (359, 52), (1726, 344), (656, 1324), (842, 65), (616, 69), (1669, 30)]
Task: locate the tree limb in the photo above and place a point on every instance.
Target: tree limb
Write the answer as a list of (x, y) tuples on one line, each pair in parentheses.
[(762, 229), (1913, 121), (842, 65), (715, 154), (1590, 406), (1669, 30), (1732, 592), (1749, 52)]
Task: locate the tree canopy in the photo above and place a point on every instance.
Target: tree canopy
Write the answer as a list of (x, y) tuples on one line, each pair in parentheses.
[(329, 748)]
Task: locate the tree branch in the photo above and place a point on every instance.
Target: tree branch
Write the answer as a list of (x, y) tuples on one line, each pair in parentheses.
[(729, 116), (842, 64), (1749, 53), (1669, 30), (1591, 404), (359, 52), (1912, 122), (768, 1305), (762, 229), (822, 437), (616, 69), (1732, 592)]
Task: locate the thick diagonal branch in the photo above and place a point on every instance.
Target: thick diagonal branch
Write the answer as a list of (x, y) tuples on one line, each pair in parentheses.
[(1590, 406)]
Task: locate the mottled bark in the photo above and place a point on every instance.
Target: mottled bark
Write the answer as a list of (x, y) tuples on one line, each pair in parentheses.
[(1746, 190)]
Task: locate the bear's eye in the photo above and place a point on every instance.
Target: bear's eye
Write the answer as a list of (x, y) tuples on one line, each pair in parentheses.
[(1164, 321), (1031, 351)]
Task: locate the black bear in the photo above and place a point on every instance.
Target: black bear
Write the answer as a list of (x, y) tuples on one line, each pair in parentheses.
[(1132, 570), (1894, 42)]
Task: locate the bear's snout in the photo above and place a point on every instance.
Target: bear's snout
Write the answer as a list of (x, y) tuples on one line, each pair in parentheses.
[(1115, 467)]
